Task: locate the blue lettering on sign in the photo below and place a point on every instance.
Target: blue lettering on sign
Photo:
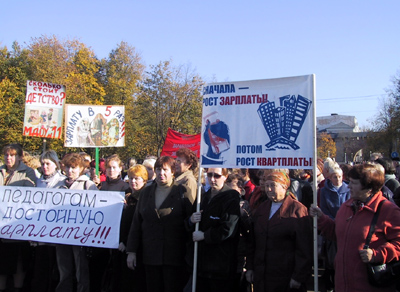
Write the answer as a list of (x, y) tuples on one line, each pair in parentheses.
[(220, 88), (210, 101)]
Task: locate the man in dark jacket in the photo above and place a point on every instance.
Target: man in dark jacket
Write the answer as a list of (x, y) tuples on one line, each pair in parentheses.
[(218, 234)]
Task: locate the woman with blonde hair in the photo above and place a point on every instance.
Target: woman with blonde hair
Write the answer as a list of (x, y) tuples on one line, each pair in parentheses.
[(131, 279)]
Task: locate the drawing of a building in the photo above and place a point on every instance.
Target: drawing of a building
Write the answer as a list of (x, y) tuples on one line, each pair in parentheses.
[(283, 123)]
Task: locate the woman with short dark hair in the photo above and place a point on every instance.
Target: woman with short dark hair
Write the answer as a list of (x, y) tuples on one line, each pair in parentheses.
[(351, 226), (158, 229), (185, 163)]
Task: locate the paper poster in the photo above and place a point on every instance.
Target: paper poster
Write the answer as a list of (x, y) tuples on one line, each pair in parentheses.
[(258, 124), (44, 106), (94, 126)]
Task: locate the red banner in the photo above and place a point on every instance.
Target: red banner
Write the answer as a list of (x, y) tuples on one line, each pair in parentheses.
[(175, 140)]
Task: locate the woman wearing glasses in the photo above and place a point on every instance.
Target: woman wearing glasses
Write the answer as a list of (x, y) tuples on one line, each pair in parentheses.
[(158, 229), (218, 234)]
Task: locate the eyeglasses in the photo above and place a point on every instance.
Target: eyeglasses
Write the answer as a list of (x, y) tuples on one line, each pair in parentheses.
[(213, 174), (138, 178)]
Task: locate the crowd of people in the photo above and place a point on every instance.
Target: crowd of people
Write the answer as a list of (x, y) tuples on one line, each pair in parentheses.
[(253, 228)]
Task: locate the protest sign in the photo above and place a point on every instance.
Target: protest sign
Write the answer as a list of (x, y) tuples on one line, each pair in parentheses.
[(44, 105), (64, 216), (94, 126), (258, 124), (175, 140)]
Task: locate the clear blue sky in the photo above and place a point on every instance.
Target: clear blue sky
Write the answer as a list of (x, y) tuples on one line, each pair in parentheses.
[(353, 47)]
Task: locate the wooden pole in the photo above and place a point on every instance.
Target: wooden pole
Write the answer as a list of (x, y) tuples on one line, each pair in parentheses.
[(196, 244), (44, 145), (315, 226)]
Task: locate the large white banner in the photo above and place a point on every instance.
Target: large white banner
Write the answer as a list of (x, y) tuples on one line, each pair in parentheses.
[(44, 105), (94, 126), (65, 216), (258, 124)]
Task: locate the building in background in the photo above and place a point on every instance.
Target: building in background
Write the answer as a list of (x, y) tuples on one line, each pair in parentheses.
[(345, 132)]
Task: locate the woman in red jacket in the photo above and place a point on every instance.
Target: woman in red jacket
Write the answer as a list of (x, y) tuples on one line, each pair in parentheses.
[(351, 227)]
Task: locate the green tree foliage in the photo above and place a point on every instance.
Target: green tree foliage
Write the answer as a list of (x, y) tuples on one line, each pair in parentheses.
[(84, 84), (122, 72), (166, 96), (170, 98), (385, 134), (326, 147), (14, 71), (69, 63)]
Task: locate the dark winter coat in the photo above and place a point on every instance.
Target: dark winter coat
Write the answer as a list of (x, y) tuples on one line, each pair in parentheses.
[(217, 253), (160, 232), (281, 248)]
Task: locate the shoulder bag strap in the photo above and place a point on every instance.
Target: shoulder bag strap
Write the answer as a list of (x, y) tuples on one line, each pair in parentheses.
[(372, 227)]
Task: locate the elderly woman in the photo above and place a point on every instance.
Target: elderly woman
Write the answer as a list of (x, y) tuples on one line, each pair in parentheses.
[(158, 228), (334, 193), (72, 258), (185, 163), (149, 164), (14, 256), (351, 226), (280, 258)]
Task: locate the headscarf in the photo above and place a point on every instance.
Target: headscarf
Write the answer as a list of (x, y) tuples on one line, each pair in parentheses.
[(279, 177), (283, 179)]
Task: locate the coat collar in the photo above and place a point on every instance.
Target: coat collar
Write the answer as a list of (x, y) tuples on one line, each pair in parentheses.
[(223, 189), (21, 168), (284, 211), (371, 205)]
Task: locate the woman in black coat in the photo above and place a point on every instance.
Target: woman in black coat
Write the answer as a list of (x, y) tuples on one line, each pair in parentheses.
[(158, 227)]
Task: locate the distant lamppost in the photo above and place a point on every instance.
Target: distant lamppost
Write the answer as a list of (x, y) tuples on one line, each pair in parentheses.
[(345, 158)]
